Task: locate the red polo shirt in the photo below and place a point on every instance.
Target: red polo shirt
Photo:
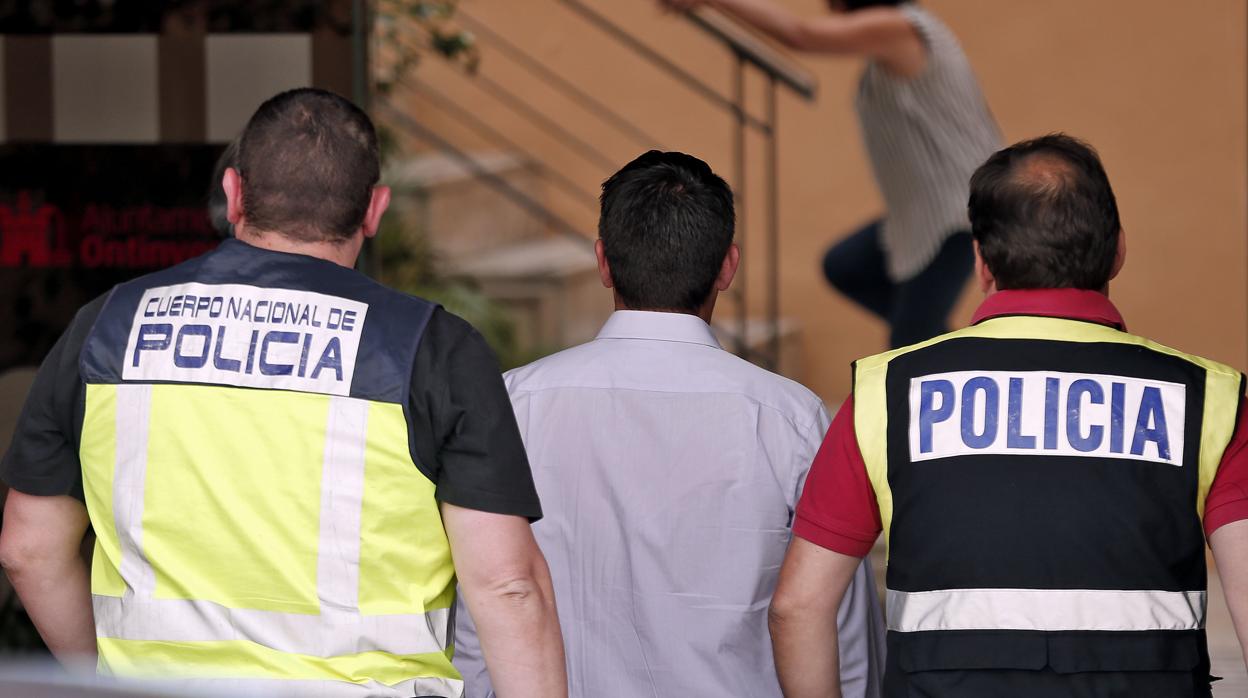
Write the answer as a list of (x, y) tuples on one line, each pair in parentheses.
[(838, 509)]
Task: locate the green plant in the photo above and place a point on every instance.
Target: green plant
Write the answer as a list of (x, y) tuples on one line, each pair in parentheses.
[(410, 263), (407, 30)]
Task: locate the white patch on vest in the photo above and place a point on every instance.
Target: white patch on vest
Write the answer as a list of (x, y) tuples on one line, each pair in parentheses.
[(1040, 413), (232, 334)]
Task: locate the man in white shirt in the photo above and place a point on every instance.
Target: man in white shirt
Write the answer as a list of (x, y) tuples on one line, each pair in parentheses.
[(668, 468)]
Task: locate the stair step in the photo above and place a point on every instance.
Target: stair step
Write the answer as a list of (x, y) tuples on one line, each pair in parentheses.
[(548, 258), (458, 213), (431, 170), (549, 285)]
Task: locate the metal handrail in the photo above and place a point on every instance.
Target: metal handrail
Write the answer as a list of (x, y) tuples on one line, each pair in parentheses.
[(526, 61), (586, 150), (535, 208), (475, 123), (668, 66), (756, 51), (518, 104), (737, 38), (746, 48)]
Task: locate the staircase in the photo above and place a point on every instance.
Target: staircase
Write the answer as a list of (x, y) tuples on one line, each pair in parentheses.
[(441, 195), (547, 281), (503, 179)]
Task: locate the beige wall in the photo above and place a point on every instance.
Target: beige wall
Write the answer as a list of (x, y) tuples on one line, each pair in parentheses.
[(1157, 87)]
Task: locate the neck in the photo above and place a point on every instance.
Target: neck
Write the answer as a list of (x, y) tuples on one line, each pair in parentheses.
[(992, 290), (705, 312), (342, 253)]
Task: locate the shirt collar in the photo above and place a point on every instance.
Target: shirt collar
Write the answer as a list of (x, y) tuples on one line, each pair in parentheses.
[(1068, 303), (665, 327)]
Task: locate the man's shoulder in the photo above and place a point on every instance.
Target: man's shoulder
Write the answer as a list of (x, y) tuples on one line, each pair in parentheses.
[(86, 315), (665, 367), (567, 368), (1207, 364), (774, 390)]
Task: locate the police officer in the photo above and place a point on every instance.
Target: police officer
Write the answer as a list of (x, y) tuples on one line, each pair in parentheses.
[(1041, 477), (286, 464)]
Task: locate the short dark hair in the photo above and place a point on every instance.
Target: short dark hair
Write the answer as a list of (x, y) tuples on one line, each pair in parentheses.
[(667, 222), (1045, 216), (309, 161)]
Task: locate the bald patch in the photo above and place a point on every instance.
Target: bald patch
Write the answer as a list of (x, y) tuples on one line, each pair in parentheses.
[(1043, 173), (1045, 216)]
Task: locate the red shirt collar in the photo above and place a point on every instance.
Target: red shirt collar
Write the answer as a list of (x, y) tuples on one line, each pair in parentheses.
[(1069, 303)]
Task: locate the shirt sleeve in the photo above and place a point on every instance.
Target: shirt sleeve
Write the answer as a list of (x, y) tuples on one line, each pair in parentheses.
[(810, 440), (464, 435), (43, 459), (838, 510), (1228, 497), (468, 658)]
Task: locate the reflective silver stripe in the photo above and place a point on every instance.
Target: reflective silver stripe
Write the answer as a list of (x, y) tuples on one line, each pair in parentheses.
[(342, 493), (300, 688), (134, 407), (451, 688), (1045, 609), (329, 635)]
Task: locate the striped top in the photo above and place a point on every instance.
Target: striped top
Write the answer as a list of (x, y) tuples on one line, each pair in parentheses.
[(925, 135)]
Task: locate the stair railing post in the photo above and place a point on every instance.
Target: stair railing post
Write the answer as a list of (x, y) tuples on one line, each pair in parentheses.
[(773, 226), (739, 121), (369, 261)]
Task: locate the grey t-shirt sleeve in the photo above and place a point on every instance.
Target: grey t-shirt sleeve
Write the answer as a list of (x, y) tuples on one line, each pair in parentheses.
[(43, 459), (464, 433)]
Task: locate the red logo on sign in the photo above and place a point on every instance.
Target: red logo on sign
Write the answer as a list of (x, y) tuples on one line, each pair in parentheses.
[(33, 235)]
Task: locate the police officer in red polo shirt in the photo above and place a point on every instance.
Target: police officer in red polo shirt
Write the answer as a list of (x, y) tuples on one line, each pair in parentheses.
[(1044, 480)]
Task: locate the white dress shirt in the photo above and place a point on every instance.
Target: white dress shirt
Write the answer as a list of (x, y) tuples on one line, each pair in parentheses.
[(668, 471)]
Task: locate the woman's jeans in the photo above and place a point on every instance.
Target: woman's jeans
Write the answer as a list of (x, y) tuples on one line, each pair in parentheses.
[(915, 309)]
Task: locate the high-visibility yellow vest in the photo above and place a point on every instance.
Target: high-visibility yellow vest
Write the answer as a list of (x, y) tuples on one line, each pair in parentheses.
[(261, 523), (1041, 483)]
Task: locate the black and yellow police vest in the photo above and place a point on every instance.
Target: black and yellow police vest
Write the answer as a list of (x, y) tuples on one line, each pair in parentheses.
[(261, 522), (1041, 483)]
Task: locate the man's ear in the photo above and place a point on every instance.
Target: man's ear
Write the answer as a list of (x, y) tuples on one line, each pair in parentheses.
[(1120, 257), (604, 269), (983, 275), (232, 183), (728, 270), (377, 206)]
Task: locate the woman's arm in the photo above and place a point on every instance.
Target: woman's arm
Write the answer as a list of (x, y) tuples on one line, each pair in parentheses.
[(883, 33)]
